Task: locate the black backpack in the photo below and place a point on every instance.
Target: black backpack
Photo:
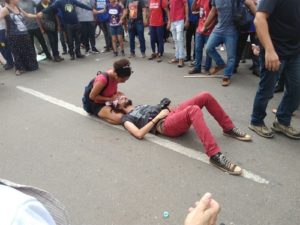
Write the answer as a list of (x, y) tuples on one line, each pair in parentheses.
[(86, 102), (242, 16)]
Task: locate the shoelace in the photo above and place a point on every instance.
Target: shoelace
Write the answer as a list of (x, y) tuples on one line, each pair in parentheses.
[(225, 161), (238, 132)]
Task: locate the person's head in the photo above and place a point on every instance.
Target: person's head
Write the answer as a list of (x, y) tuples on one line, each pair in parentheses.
[(121, 105), (112, 1), (122, 70)]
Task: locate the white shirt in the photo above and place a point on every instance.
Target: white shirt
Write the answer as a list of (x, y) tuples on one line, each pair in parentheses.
[(17, 208)]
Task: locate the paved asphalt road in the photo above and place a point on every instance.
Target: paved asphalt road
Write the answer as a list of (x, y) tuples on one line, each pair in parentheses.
[(106, 177)]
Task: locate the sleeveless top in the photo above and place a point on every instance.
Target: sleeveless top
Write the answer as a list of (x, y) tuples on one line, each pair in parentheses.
[(15, 23)]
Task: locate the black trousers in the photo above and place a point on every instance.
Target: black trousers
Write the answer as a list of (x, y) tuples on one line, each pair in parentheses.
[(190, 35), (53, 39), (241, 44), (38, 34), (104, 26), (73, 36), (88, 34)]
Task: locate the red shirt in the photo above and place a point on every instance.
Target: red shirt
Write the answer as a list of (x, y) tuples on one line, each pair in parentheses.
[(177, 10), (156, 12), (110, 90), (204, 9)]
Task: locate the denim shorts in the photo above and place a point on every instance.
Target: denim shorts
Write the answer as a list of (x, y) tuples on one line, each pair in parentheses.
[(116, 30)]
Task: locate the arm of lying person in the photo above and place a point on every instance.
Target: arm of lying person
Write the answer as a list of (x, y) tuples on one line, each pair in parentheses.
[(140, 133)]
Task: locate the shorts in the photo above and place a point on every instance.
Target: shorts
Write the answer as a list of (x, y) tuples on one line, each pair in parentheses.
[(116, 30), (96, 108)]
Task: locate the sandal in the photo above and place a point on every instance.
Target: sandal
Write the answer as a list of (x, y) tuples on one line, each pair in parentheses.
[(174, 61), (19, 72)]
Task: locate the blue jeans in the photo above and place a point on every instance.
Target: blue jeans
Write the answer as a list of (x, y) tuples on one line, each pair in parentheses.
[(157, 37), (177, 28), (230, 42), (199, 46), (291, 98), (136, 28), (5, 49)]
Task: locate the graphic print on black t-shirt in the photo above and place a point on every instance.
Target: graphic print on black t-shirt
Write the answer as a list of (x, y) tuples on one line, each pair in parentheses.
[(133, 9)]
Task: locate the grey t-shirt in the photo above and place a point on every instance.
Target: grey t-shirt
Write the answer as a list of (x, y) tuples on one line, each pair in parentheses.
[(141, 115), (29, 6), (225, 17), (83, 14)]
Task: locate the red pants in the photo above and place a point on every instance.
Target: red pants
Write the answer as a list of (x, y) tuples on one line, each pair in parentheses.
[(190, 113)]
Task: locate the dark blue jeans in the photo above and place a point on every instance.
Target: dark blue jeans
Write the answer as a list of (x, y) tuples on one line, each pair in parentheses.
[(136, 28), (5, 49), (199, 46), (291, 98), (230, 42), (157, 37)]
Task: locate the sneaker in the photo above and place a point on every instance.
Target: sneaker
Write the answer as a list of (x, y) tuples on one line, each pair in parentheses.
[(132, 55), (219, 160), (72, 57), (122, 53), (95, 50), (105, 50), (8, 67), (87, 53), (288, 131), (262, 130), (58, 59), (153, 56), (194, 71), (79, 56), (226, 81), (238, 134), (143, 55), (158, 58)]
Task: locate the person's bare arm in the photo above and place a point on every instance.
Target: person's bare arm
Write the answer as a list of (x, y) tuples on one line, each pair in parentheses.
[(211, 17), (168, 16), (186, 9), (125, 12), (250, 4), (145, 19), (29, 15), (140, 133), (272, 62), (94, 95), (195, 6), (3, 13)]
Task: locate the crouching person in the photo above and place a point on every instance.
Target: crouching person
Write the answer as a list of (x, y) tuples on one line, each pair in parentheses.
[(103, 90), (161, 119)]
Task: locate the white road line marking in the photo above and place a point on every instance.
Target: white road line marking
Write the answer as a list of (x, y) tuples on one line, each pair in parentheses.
[(191, 153)]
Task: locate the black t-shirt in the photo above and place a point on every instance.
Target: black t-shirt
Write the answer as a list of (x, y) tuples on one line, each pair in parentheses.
[(284, 25), (141, 115), (47, 17), (135, 8)]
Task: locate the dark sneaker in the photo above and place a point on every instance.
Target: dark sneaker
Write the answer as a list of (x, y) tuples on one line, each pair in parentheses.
[(153, 56), (79, 56), (72, 57), (288, 131), (238, 134), (58, 59), (219, 160), (95, 51), (262, 130), (8, 67), (194, 71), (132, 55)]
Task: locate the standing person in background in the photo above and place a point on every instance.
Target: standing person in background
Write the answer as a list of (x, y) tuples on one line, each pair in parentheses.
[(191, 32), (69, 16), (62, 32), (157, 11), (50, 26), (115, 11), (88, 26), (103, 21), (34, 26), (179, 17), (277, 24), (137, 12), (18, 37), (4, 47), (204, 7), (224, 32)]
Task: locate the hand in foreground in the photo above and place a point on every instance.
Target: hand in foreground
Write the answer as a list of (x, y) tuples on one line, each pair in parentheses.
[(205, 212), (272, 62)]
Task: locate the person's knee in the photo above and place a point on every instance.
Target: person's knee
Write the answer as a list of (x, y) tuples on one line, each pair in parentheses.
[(193, 109), (206, 95)]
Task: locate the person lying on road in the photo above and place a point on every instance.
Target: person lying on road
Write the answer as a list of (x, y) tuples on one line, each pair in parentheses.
[(161, 119)]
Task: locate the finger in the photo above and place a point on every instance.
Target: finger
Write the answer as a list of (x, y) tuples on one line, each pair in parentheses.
[(215, 211), (204, 202)]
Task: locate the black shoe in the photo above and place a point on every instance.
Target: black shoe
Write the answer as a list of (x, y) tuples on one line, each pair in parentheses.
[(58, 59), (255, 72), (79, 56), (95, 50), (8, 67), (187, 59), (219, 160), (279, 88), (72, 57)]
